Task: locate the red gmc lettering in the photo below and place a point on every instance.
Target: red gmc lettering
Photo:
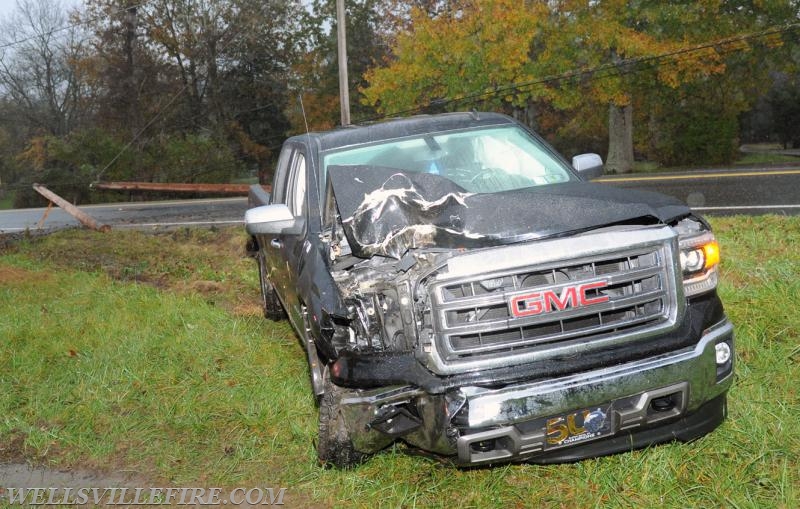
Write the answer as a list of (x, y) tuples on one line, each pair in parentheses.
[(536, 303)]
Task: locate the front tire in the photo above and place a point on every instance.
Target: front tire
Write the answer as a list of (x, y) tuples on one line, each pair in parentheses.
[(335, 446)]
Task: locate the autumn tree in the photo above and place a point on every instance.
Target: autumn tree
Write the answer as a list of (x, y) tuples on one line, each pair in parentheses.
[(470, 48), (257, 75), (369, 27), (569, 53), (43, 91), (175, 72), (130, 76)]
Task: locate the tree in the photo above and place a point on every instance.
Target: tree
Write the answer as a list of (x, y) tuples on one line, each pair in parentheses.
[(470, 48), (257, 76), (186, 90), (783, 100), (611, 53), (130, 77), (185, 69), (41, 85), (317, 80)]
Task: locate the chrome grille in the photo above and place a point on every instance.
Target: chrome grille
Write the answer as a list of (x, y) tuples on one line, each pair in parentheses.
[(472, 317)]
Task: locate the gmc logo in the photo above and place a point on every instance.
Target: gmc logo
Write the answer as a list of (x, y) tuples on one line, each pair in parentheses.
[(537, 303)]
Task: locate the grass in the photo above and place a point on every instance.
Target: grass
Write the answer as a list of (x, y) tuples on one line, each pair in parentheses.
[(648, 167), (756, 158), (6, 200), (745, 159), (146, 353)]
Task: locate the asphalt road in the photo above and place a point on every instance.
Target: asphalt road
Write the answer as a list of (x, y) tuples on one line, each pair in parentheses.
[(775, 190), (144, 215)]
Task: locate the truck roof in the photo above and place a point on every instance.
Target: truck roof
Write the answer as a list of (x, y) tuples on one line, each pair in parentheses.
[(402, 127)]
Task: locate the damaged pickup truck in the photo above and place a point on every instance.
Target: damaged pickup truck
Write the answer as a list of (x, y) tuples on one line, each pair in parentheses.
[(457, 285)]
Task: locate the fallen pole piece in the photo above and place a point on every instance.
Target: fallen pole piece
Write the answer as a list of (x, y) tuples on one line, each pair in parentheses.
[(71, 209), (44, 216), (176, 187)]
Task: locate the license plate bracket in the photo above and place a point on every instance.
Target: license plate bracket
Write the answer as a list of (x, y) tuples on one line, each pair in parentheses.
[(571, 428)]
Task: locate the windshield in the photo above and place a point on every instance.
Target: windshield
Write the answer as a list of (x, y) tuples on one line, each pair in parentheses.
[(479, 161)]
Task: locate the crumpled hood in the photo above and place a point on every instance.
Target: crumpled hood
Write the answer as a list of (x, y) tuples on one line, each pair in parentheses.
[(387, 212)]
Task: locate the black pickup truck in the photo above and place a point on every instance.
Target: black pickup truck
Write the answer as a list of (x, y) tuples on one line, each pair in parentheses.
[(457, 285)]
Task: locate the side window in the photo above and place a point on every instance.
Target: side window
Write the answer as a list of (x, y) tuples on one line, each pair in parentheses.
[(281, 175), (296, 189)]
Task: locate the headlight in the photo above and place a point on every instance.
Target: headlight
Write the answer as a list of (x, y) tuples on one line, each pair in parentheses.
[(699, 254), (699, 257)]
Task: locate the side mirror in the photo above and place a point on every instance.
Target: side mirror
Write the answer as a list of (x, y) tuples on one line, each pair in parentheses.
[(588, 166), (272, 220)]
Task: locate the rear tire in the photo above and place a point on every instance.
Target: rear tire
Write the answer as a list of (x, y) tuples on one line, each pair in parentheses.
[(272, 307), (335, 446)]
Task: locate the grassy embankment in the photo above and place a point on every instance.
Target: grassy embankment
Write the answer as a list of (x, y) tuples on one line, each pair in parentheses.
[(147, 353), (6, 200)]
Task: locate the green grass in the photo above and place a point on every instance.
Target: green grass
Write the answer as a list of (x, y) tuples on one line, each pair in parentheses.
[(756, 158), (648, 167), (748, 159), (146, 353), (6, 200)]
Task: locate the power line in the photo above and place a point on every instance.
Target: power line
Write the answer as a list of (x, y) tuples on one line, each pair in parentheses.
[(141, 131), (159, 111), (592, 72)]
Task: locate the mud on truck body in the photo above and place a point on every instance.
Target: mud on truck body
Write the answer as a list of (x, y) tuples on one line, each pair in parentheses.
[(457, 285)]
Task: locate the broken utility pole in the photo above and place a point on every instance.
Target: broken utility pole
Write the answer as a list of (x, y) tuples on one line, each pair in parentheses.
[(71, 209), (174, 187)]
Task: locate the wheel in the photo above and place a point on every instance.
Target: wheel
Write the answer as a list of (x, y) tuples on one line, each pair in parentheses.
[(334, 446), (273, 309)]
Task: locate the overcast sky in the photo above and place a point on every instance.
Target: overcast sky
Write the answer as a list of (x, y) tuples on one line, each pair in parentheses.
[(7, 6)]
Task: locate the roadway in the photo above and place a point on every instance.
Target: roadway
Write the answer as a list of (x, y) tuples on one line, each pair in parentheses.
[(751, 191), (143, 215), (774, 190)]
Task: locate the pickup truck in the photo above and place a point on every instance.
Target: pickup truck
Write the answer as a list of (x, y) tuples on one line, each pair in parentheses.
[(457, 285)]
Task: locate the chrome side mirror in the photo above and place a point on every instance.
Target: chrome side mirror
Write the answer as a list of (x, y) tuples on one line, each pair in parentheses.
[(588, 166), (272, 220)]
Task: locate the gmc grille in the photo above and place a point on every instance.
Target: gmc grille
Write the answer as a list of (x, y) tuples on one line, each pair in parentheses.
[(472, 318)]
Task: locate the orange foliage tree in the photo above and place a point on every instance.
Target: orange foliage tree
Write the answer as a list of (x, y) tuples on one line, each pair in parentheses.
[(567, 53)]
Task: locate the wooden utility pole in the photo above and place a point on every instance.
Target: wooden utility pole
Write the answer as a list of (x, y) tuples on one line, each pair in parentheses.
[(173, 187), (71, 209), (341, 38)]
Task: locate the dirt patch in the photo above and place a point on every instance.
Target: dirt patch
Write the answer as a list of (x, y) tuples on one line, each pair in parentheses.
[(248, 309), (206, 287), (20, 475), (17, 474), (15, 276), (12, 448)]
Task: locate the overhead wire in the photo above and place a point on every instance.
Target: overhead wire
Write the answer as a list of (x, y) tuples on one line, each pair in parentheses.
[(159, 111), (591, 73), (603, 71)]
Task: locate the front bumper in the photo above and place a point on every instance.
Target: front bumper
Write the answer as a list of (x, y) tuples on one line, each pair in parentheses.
[(677, 395)]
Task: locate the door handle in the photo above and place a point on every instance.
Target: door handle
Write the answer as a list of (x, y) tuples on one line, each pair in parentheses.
[(276, 243)]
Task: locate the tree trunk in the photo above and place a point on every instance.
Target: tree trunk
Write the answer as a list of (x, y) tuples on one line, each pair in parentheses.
[(620, 139)]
